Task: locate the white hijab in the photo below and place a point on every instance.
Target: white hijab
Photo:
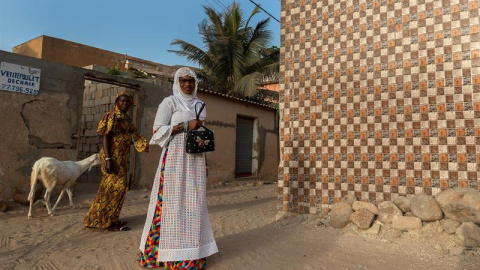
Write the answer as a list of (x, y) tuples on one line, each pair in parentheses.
[(186, 102)]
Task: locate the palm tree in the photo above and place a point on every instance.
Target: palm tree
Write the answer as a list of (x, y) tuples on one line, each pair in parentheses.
[(234, 57)]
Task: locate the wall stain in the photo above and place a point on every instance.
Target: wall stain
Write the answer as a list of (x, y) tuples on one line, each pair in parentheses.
[(219, 124)]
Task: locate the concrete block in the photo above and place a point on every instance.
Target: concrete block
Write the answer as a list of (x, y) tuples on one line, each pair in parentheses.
[(105, 100)]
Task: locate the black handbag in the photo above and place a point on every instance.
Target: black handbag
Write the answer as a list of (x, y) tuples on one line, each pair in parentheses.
[(199, 141)]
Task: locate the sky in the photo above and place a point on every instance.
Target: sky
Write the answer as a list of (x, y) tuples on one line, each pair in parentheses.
[(142, 28)]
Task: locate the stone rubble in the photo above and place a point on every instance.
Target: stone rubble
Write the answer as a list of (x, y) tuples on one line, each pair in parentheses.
[(454, 212)]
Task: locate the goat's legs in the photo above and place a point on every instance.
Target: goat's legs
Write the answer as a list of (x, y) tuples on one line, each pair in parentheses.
[(70, 196), (47, 201), (31, 203), (58, 200)]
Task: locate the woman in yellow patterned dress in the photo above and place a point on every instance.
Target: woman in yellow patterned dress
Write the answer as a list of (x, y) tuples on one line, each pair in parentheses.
[(117, 131)]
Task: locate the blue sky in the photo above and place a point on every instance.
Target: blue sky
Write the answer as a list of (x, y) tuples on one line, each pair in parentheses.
[(140, 28)]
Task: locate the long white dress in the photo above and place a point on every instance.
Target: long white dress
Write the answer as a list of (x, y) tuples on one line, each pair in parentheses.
[(185, 233)]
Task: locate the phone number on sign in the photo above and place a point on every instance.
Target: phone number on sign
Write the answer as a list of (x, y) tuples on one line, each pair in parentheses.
[(20, 89)]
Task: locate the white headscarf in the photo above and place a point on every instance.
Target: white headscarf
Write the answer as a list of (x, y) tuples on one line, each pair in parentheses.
[(184, 101)]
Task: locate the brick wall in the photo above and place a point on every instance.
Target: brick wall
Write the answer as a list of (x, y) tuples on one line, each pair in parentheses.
[(378, 99)]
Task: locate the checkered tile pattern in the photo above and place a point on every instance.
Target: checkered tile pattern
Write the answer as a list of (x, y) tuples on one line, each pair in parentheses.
[(378, 99)]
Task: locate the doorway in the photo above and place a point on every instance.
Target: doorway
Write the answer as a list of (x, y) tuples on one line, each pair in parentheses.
[(244, 147)]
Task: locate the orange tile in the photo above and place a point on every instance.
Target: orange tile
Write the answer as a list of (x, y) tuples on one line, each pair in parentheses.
[(456, 33), (427, 183), (394, 181), (457, 81), (474, 29), (390, 21), (363, 27), (410, 182), (440, 83), (421, 15), (423, 85), (439, 59), (350, 179), (422, 38), (441, 107), (422, 61), (424, 109), (473, 5), (457, 56), (475, 54), (476, 79), (455, 8), (444, 184), (459, 106), (407, 109)]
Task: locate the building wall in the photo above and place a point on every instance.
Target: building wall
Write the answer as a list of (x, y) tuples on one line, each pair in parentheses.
[(49, 124), (37, 126), (378, 99), (222, 116), (77, 54)]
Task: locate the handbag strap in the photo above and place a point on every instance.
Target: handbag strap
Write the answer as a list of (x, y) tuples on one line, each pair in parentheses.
[(201, 109)]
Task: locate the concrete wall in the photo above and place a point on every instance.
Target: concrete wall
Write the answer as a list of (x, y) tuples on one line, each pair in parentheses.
[(48, 125), (37, 126), (221, 117), (378, 99)]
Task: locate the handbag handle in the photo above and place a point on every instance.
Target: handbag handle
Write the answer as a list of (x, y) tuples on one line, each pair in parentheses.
[(201, 109), (199, 112)]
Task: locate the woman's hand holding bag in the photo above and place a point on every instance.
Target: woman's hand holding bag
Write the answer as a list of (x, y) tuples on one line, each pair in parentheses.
[(199, 141)]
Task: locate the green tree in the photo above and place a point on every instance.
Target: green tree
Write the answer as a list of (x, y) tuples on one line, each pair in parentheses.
[(236, 55)]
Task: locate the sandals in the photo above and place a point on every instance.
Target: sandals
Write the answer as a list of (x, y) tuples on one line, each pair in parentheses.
[(119, 228), (119, 223)]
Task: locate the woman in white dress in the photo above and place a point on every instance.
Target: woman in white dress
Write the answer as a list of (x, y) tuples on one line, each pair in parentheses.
[(177, 232)]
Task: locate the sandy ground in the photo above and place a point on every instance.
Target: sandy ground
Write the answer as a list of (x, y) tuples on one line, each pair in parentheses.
[(247, 235)]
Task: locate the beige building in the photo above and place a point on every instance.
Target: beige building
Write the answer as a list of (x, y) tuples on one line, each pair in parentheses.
[(378, 99), (80, 55)]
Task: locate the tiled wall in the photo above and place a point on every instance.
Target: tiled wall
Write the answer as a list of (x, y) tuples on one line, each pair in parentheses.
[(378, 99)]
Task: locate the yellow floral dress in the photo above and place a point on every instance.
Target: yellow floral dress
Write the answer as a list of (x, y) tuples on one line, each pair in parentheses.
[(105, 209)]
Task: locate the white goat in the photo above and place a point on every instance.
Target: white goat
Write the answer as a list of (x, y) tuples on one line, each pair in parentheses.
[(54, 173)]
